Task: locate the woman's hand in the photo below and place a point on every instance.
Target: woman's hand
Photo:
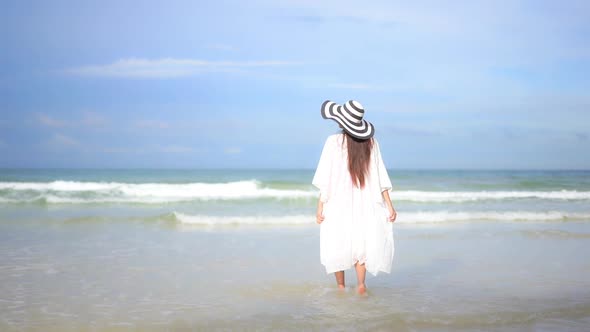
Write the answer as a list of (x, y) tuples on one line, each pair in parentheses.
[(319, 216), (392, 213)]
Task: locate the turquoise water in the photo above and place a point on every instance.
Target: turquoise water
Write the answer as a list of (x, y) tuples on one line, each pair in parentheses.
[(286, 196), (152, 250), (404, 179)]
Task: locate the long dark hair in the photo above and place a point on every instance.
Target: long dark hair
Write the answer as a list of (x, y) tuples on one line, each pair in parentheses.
[(359, 157)]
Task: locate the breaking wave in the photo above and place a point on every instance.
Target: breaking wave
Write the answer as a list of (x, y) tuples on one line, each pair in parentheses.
[(76, 192), (403, 218)]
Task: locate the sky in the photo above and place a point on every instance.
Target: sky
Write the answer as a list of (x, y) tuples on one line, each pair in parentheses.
[(239, 84)]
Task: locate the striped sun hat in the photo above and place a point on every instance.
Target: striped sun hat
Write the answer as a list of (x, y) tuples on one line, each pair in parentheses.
[(350, 117)]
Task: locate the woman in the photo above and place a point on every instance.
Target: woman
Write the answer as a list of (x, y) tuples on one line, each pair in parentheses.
[(354, 208)]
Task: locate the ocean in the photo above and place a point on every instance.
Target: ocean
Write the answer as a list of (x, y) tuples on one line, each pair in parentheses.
[(136, 249)]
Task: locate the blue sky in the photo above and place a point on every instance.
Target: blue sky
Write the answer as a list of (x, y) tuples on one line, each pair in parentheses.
[(239, 84)]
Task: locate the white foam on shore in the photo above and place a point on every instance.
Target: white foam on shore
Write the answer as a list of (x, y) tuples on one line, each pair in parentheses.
[(247, 220), (449, 216), (466, 196), (403, 217), (115, 192), (76, 192)]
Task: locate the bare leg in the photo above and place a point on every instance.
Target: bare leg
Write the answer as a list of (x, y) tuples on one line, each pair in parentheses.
[(361, 271), (340, 279)]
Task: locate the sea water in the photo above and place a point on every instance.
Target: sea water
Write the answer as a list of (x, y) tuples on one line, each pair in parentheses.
[(239, 249)]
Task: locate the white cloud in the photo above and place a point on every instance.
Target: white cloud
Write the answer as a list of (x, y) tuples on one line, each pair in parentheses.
[(489, 33), (167, 67), (88, 119), (61, 140), (93, 119), (48, 121)]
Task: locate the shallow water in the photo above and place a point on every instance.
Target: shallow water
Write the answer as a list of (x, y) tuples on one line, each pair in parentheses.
[(119, 250), (146, 276)]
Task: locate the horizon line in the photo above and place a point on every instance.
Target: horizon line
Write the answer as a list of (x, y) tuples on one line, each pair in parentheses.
[(286, 169)]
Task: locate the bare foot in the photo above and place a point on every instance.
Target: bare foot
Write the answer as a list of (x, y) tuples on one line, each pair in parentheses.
[(361, 289), (341, 286)]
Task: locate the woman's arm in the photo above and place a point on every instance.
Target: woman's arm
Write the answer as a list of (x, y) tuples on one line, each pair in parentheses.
[(392, 212), (319, 217)]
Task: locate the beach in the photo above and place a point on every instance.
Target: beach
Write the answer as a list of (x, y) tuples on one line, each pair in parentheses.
[(153, 250)]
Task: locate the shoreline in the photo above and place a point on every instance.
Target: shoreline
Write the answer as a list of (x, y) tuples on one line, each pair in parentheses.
[(140, 276)]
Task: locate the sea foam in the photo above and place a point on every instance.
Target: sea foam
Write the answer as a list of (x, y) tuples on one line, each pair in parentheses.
[(114, 192), (77, 192), (464, 216), (419, 217), (466, 196), (243, 220)]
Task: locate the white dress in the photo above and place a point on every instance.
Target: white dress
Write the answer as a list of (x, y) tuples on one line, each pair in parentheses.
[(355, 226)]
